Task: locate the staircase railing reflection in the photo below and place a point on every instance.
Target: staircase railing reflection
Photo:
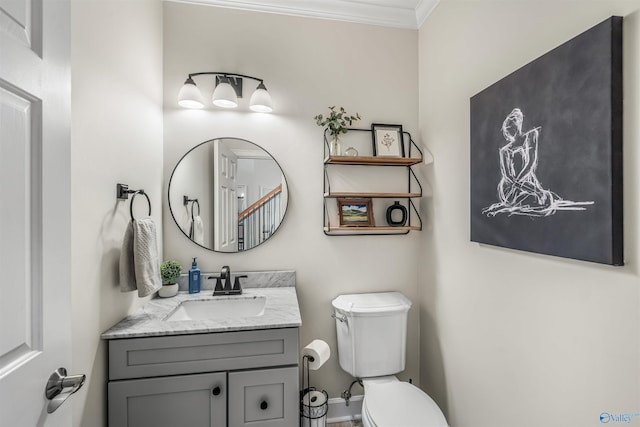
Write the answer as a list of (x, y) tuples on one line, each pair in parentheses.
[(260, 220)]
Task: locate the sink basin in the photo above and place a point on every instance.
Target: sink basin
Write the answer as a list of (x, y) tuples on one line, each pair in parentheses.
[(219, 308)]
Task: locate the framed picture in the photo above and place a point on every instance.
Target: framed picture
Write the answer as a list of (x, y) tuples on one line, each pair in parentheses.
[(387, 140), (546, 153), (355, 212)]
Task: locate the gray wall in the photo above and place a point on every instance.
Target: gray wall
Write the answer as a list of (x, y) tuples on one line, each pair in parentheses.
[(501, 346), (116, 137), (307, 65)]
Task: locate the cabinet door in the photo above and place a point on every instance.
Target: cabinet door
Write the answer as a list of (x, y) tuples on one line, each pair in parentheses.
[(264, 398), (185, 401)]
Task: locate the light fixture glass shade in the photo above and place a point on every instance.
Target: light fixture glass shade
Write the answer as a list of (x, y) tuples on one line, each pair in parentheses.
[(190, 96), (224, 95), (261, 100)]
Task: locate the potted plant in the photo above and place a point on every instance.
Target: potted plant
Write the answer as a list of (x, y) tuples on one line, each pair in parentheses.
[(337, 121), (169, 271)]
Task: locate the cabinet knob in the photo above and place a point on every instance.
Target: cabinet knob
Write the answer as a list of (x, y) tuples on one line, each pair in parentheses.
[(216, 391), (264, 405)]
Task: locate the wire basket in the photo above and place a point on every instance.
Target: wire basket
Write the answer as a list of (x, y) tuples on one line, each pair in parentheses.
[(313, 408)]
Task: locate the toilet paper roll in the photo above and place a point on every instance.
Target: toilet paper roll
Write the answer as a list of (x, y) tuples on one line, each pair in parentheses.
[(319, 352), (314, 409), (314, 398)]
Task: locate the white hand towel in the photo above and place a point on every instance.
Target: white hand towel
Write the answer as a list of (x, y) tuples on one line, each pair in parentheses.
[(198, 230), (190, 228), (127, 270), (146, 258)]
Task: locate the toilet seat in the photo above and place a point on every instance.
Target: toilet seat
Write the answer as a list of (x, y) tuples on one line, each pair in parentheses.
[(399, 403)]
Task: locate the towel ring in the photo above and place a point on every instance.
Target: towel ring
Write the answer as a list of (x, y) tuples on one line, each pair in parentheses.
[(194, 203), (135, 193), (185, 202)]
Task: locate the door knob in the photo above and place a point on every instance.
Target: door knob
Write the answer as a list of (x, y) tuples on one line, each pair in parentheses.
[(60, 386)]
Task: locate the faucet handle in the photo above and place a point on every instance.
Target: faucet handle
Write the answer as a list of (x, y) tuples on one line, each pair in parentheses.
[(218, 284), (236, 283), (217, 289)]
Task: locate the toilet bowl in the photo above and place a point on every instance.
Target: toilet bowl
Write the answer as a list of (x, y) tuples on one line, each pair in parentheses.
[(389, 402)]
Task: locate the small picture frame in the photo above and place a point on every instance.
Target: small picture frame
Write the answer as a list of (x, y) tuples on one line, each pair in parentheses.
[(355, 212), (387, 140)]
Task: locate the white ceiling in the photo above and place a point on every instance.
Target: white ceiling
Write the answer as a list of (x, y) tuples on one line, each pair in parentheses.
[(389, 13)]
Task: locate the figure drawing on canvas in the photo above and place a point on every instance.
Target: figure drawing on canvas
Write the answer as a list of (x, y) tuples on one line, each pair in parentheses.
[(519, 190)]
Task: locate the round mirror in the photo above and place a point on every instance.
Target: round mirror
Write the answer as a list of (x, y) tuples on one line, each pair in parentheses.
[(228, 195)]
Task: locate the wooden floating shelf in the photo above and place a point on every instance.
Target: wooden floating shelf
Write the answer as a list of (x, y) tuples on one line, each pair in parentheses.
[(373, 195), (371, 230), (371, 160)]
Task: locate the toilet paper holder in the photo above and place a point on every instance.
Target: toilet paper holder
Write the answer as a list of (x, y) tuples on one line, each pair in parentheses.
[(314, 404)]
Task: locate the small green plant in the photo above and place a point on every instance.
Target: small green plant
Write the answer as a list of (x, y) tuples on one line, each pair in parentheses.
[(170, 271), (337, 121)]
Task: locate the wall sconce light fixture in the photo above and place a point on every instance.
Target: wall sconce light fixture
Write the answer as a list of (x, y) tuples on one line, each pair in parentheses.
[(228, 90)]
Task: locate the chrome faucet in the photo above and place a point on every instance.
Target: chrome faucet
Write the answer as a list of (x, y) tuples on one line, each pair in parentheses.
[(227, 289)]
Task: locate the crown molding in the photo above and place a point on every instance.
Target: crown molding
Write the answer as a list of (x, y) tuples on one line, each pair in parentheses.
[(424, 9), (358, 11)]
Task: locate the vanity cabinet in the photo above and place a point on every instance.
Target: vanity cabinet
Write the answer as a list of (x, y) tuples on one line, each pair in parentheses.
[(244, 378), (411, 188), (258, 398), (184, 400)]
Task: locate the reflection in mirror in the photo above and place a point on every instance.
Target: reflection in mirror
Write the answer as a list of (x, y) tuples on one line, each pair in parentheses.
[(228, 195)]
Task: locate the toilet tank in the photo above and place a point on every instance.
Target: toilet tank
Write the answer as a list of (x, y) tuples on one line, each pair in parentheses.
[(372, 333)]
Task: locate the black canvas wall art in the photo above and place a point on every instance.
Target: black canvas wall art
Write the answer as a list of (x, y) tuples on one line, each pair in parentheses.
[(546, 152)]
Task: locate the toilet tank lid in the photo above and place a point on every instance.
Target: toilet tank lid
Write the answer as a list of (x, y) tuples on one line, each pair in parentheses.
[(372, 303)]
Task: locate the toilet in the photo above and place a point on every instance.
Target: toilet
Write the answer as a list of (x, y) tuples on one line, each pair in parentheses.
[(372, 332)]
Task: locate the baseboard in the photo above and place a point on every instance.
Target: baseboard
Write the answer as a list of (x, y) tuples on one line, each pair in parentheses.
[(339, 412)]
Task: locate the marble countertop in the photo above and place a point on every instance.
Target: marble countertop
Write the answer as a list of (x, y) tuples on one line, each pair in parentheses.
[(281, 311)]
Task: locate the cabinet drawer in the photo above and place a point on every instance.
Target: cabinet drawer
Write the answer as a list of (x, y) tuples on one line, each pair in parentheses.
[(186, 354), (188, 400), (264, 398)]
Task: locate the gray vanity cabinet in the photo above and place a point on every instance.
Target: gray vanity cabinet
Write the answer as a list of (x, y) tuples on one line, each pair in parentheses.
[(263, 397), (228, 379), (185, 400)]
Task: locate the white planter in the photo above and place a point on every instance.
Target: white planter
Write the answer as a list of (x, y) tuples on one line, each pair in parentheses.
[(167, 291)]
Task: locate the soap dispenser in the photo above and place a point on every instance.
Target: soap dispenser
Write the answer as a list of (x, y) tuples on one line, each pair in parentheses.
[(194, 278)]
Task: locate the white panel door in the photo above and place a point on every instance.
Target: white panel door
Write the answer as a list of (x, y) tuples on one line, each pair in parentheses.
[(225, 198), (35, 290)]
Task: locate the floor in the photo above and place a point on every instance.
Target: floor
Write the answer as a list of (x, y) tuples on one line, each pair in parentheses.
[(346, 424)]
